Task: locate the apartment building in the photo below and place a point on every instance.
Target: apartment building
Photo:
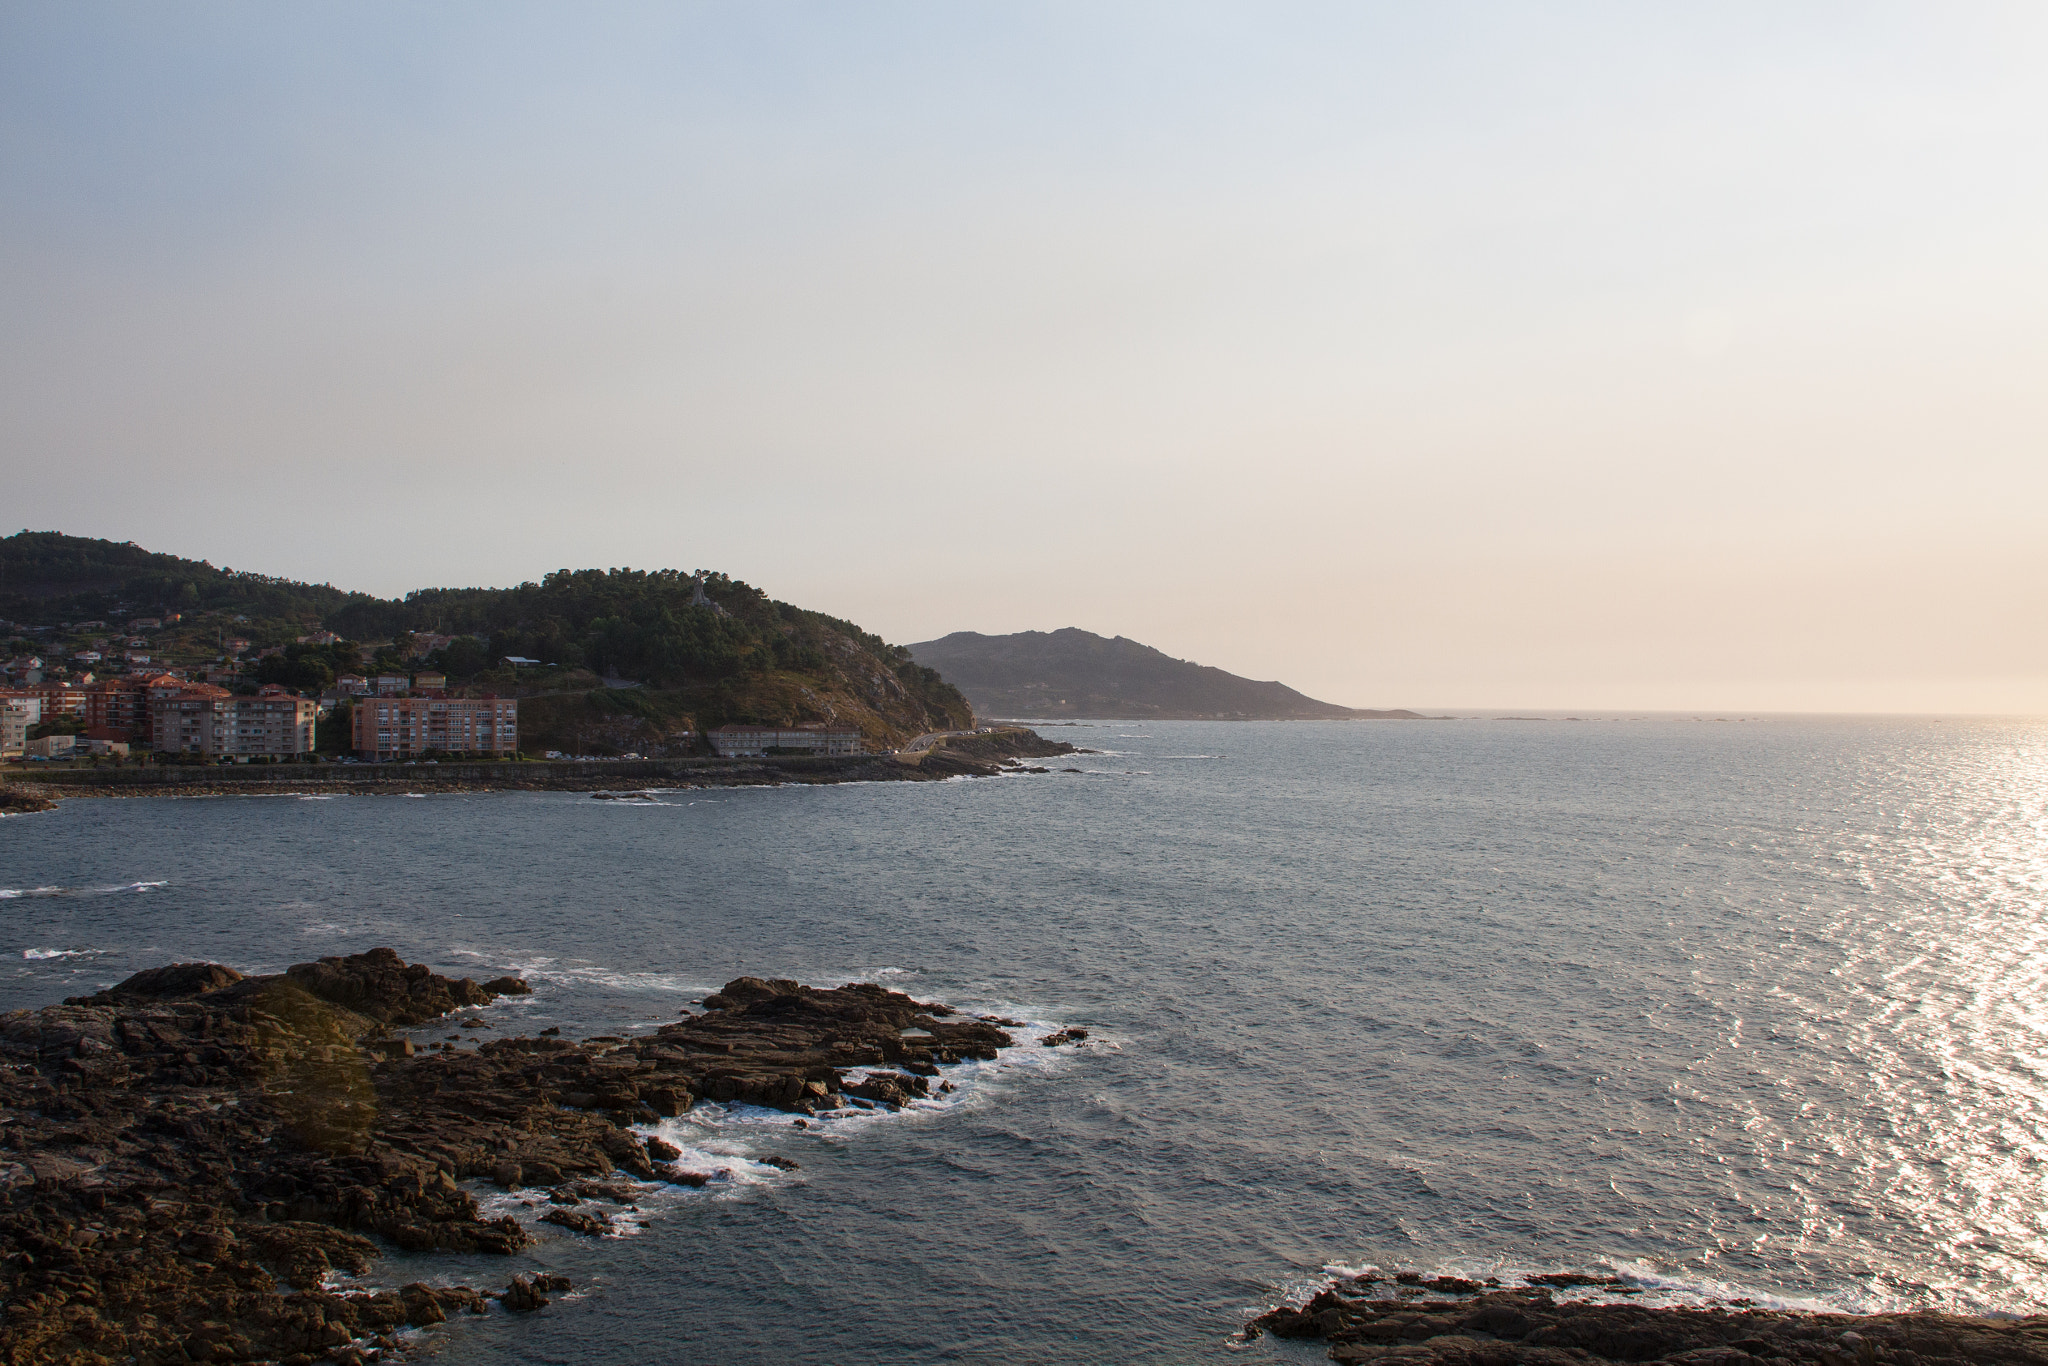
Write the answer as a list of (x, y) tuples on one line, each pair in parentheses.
[(119, 704), (390, 728), (214, 722), (734, 742), (59, 699), (18, 714)]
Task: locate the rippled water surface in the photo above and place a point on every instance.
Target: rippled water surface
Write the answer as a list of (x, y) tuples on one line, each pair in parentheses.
[(1745, 1008)]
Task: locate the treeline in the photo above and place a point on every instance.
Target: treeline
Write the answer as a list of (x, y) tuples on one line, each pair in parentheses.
[(636, 624), (47, 576)]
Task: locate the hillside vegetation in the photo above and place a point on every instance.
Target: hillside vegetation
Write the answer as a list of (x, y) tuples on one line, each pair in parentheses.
[(731, 654), (1078, 673)]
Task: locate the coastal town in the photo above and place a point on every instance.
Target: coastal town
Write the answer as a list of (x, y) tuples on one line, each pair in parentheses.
[(112, 696)]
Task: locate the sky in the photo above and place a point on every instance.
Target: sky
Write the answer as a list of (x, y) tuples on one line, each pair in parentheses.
[(1459, 355)]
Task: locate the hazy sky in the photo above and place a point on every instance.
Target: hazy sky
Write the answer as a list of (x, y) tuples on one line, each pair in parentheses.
[(1434, 355)]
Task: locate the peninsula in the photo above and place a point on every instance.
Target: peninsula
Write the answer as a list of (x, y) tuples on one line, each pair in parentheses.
[(1071, 673), (97, 635)]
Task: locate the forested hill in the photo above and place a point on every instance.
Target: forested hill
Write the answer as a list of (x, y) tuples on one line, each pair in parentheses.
[(1078, 673), (731, 654)]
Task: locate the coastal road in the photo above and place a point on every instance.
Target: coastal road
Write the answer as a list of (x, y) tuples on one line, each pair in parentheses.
[(930, 738)]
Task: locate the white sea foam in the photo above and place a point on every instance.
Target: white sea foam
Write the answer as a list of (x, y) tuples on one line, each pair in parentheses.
[(579, 972), (9, 893), (1640, 1285), (40, 955), (728, 1142)]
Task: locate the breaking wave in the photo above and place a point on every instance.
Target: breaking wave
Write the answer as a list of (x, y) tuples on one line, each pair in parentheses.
[(10, 893)]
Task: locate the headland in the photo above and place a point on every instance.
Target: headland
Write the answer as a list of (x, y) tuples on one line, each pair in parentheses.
[(983, 754)]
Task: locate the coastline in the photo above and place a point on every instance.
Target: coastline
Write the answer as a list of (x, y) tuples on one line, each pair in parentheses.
[(976, 755), (1411, 1320), (190, 1154)]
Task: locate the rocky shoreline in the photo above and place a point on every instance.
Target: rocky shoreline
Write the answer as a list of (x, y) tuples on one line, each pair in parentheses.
[(967, 756), (186, 1157), (1447, 1321)]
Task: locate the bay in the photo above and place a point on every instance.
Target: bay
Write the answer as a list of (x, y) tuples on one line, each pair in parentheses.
[(1732, 1008)]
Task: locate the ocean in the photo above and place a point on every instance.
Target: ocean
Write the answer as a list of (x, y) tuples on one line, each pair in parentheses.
[(1734, 1009)]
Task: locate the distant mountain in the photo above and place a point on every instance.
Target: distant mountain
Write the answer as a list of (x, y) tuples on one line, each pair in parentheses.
[(1078, 673)]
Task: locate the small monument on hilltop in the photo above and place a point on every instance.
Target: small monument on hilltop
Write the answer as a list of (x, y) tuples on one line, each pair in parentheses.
[(700, 598)]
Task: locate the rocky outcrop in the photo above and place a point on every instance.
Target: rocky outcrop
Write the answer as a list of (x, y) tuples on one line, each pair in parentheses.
[(381, 986), (16, 800), (1453, 1322), (185, 1156)]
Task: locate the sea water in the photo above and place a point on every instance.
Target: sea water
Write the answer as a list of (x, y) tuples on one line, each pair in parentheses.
[(1734, 1009)]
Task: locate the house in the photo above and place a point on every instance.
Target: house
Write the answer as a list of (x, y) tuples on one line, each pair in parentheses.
[(237, 644), (425, 643), (320, 638), (520, 661), (49, 747), (352, 685), (430, 682), (145, 624), (390, 728), (733, 742), (390, 685)]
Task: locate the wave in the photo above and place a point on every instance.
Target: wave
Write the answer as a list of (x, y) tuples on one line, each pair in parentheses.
[(41, 955), (10, 893)]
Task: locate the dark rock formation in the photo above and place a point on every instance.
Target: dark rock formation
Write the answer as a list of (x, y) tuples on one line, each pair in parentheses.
[(16, 800), (1454, 1322), (380, 985), (184, 1156)]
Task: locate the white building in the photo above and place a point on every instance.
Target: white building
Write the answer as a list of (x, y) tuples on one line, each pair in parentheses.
[(738, 742), (18, 715)]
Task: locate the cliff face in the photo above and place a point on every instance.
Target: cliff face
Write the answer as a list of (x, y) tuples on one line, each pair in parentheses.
[(1078, 673)]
